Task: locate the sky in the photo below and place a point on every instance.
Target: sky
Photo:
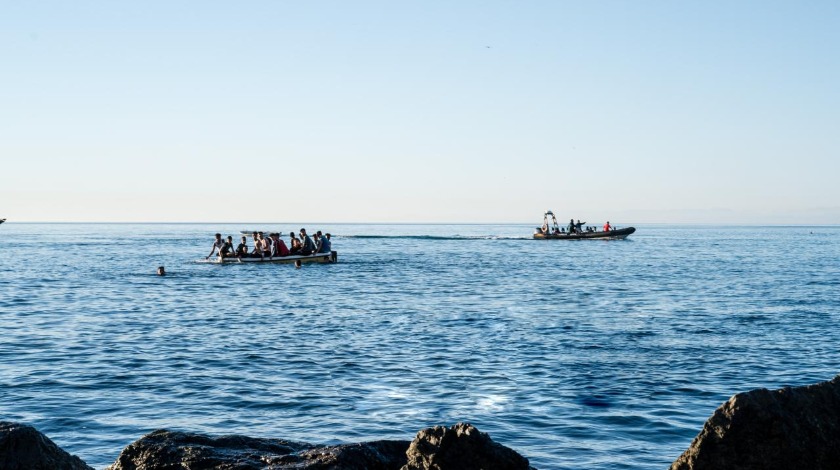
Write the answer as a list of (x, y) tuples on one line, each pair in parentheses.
[(428, 112)]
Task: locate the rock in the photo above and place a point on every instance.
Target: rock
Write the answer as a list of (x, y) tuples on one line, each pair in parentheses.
[(461, 447), (179, 450), (787, 429), (167, 450), (22, 447), (376, 455)]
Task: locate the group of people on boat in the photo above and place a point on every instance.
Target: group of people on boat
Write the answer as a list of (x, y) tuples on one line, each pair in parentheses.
[(271, 245), (573, 227)]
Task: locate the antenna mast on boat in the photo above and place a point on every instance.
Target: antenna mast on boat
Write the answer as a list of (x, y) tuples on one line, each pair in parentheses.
[(554, 226)]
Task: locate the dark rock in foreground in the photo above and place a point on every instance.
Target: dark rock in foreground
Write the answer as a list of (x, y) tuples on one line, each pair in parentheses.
[(461, 447), (788, 429), (23, 447), (165, 450)]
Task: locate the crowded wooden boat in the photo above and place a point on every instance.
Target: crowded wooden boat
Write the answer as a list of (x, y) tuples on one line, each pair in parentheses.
[(271, 248)]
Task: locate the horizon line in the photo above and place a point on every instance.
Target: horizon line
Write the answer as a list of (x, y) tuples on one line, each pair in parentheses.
[(724, 224)]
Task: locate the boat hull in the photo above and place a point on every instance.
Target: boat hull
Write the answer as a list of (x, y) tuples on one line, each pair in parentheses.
[(619, 234), (331, 257)]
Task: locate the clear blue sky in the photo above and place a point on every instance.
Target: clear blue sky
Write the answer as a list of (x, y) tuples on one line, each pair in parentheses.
[(473, 111)]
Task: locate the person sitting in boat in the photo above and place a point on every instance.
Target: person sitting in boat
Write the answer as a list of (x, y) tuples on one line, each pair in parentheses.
[(307, 246), (227, 248), (607, 226), (327, 243), (294, 244), (218, 243), (323, 245), (265, 245), (242, 248), (257, 251), (316, 239), (280, 248)]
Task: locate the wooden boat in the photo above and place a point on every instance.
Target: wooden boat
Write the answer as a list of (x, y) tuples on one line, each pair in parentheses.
[(551, 231), (331, 257)]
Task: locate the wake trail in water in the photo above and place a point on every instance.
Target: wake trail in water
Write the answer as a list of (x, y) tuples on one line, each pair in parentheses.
[(436, 237)]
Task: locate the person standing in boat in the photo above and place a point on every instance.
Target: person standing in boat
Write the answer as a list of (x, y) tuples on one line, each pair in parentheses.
[(607, 226), (571, 227), (307, 247), (579, 226), (218, 243)]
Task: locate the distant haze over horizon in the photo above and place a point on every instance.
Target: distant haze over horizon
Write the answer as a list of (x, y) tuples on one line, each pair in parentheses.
[(732, 220), (435, 112)]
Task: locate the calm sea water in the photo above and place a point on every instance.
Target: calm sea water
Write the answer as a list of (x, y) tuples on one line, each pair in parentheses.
[(578, 354)]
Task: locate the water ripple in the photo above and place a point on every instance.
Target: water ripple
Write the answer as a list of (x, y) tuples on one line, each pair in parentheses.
[(584, 355)]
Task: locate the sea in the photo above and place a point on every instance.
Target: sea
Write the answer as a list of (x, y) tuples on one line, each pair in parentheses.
[(588, 354)]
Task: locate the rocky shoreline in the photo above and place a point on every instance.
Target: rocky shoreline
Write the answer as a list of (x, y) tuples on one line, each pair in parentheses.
[(788, 429), (461, 446)]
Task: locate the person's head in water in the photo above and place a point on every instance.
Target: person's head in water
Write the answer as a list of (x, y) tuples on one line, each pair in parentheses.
[(297, 263), (161, 271)]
